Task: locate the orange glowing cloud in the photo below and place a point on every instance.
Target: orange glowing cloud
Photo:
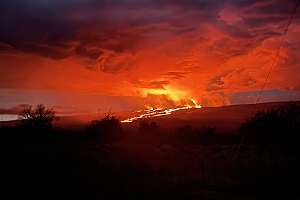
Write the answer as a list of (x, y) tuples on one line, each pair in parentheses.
[(125, 55)]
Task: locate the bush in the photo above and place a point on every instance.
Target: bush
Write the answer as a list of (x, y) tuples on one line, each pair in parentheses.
[(186, 133), (276, 125), (36, 120), (206, 134), (107, 129), (146, 127)]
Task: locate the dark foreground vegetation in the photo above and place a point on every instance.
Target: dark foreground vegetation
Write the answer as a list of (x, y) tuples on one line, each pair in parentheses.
[(107, 162)]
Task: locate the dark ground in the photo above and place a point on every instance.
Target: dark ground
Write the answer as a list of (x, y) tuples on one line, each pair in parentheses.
[(73, 164)]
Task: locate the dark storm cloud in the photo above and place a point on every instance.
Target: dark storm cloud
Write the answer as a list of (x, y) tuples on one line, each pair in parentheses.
[(59, 29), (217, 80), (272, 33), (45, 51), (257, 22), (47, 29), (227, 48), (245, 3), (117, 41), (236, 30), (190, 4), (31, 28), (115, 63), (90, 53), (279, 7), (215, 83), (237, 77), (31, 23)]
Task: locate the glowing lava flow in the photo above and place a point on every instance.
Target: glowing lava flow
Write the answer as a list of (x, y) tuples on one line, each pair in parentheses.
[(156, 112)]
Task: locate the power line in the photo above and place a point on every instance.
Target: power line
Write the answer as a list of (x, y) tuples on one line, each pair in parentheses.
[(275, 57), (262, 89)]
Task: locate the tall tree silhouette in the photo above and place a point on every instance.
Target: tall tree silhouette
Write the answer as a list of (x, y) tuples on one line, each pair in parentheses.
[(40, 118)]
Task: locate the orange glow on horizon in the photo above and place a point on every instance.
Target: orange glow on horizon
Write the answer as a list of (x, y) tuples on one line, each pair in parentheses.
[(151, 112)]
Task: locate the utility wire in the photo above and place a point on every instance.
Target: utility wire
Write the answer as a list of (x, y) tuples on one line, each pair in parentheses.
[(269, 71)]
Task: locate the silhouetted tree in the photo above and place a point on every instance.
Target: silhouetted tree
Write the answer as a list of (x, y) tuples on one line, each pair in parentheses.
[(38, 119), (146, 127), (106, 129), (276, 125)]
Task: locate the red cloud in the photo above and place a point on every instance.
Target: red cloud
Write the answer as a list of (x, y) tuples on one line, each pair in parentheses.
[(181, 50)]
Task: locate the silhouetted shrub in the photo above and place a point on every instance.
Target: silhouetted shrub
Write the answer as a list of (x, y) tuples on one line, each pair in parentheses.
[(186, 133), (146, 127), (39, 119), (206, 134), (107, 129), (203, 135), (276, 125)]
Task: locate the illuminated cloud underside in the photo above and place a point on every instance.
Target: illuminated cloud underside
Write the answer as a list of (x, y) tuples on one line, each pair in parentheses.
[(81, 56)]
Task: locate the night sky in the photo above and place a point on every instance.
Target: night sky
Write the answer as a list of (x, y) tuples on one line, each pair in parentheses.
[(81, 56)]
